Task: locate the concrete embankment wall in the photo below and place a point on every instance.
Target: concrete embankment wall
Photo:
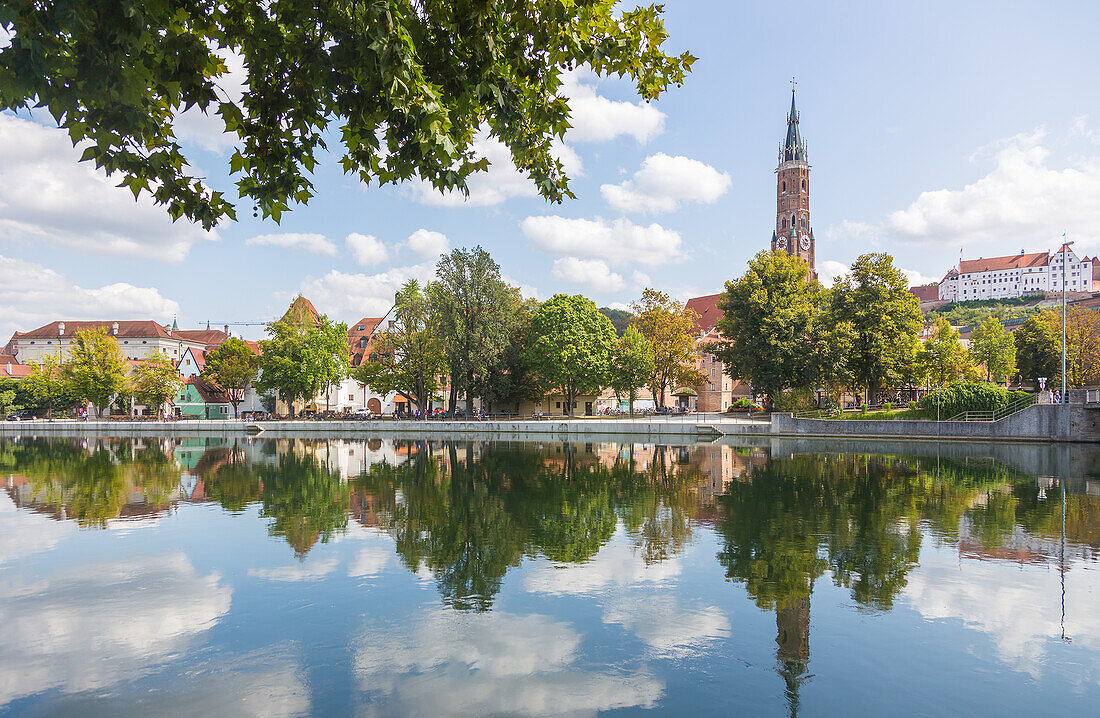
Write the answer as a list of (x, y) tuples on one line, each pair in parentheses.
[(1036, 423), (605, 429)]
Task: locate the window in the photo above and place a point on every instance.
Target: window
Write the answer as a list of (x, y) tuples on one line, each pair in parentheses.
[(803, 184), (784, 187)]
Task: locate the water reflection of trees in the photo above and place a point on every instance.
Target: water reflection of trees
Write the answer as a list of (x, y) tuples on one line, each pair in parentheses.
[(469, 512), (784, 524)]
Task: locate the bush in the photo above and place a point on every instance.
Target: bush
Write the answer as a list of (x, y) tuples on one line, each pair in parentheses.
[(888, 406), (963, 396), (743, 404), (912, 406), (795, 400)]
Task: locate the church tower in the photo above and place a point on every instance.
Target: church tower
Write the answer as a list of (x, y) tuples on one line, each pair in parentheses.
[(793, 233)]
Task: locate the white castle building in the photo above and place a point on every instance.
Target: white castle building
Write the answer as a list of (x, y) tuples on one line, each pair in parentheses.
[(1017, 275)]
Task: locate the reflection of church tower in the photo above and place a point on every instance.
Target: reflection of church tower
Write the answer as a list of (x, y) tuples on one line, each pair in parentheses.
[(793, 234), (792, 623)]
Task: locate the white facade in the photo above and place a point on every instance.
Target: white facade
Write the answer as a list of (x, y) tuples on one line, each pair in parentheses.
[(58, 338), (350, 396), (1016, 276)]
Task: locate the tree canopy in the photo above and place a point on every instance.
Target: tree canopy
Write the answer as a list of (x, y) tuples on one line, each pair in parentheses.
[(96, 369), (155, 381), (302, 357), (232, 367), (994, 348), (668, 326), (942, 358), (407, 87), (632, 365), (571, 346)]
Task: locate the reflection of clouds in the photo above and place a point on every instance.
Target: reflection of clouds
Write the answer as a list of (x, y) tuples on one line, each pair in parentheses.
[(616, 565), (490, 663), (94, 625), (1019, 610), (667, 627), (307, 570), (370, 561), (268, 684), (35, 532)]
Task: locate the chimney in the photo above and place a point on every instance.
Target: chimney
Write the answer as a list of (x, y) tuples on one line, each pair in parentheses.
[(114, 328), (226, 330), (61, 329)]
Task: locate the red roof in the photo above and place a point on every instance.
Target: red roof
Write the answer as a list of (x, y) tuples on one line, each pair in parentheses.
[(140, 329), (212, 338), (10, 368), (996, 264), (302, 305), (360, 336), (209, 393), (926, 292), (708, 311)]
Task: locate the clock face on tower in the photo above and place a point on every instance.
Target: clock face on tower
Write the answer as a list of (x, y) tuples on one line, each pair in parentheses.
[(804, 242), (781, 243)]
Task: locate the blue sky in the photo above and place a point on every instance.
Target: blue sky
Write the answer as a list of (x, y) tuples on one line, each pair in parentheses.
[(930, 126)]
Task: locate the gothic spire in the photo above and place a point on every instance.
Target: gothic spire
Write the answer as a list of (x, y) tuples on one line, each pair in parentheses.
[(793, 148)]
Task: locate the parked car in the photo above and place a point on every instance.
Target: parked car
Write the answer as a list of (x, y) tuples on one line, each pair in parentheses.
[(361, 413), (24, 415)]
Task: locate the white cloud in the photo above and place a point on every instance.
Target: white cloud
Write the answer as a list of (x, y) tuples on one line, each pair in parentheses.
[(208, 130), (618, 242), (95, 625), (669, 629), (451, 663), (32, 295), (598, 119), (47, 195), (428, 244), (849, 231), (313, 243), (366, 249), (309, 570), (501, 182), (36, 532), (829, 270), (1022, 202), (1000, 599), (615, 567), (354, 295), (592, 274), (641, 279), (664, 182), (528, 291), (916, 278), (619, 305), (370, 561)]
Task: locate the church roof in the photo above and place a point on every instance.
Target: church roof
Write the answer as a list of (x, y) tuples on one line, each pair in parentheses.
[(707, 310), (793, 147)]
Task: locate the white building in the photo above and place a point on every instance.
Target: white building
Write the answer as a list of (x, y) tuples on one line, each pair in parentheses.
[(137, 339), (1017, 275)]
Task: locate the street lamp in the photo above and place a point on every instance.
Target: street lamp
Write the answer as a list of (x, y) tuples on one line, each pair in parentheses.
[(1065, 246)]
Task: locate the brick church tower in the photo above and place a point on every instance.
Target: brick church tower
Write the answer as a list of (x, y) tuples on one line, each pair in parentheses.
[(793, 233)]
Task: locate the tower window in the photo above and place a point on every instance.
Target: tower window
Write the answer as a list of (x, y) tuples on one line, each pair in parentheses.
[(803, 184), (784, 186)]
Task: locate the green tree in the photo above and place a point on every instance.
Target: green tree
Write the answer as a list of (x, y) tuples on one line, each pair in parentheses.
[(302, 357), (768, 316), (669, 328), (46, 383), (474, 309), (874, 296), (571, 346), (511, 379), (632, 364), (620, 318), (96, 368), (155, 381), (406, 86), (993, 347), (1039, 350), (942, 358), (8, 403), (408, 357), (232, 367)]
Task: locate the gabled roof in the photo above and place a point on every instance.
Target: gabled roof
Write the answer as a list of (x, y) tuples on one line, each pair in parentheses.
[(212, 338), (996, 264), (708, 311), (302, 307), (198, 355), (9, 368), (926, 292), (362, 329), (140, 329), (209, 393)]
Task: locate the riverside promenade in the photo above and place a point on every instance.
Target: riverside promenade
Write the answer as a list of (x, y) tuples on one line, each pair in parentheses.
[(1039, 423)]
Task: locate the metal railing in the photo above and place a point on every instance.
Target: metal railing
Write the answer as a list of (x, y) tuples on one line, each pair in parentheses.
[(995, 414)]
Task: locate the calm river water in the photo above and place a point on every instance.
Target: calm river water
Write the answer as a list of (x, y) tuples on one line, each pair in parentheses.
[(405, 577)]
